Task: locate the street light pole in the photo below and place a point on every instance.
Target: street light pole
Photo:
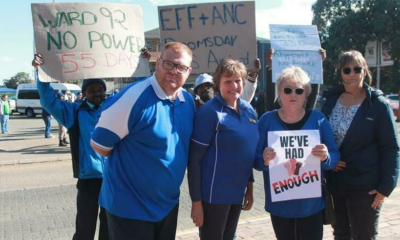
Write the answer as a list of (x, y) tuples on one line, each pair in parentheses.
[(378, 63)]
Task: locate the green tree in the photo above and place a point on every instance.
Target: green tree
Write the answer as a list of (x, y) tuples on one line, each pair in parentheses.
[(20, 77), (350, 24)]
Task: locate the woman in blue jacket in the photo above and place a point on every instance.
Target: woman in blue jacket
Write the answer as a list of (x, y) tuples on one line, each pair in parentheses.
[(221, 155), (297, 218), (366, 136)]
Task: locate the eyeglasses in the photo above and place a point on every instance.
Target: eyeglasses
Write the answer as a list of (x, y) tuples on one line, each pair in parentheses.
[(168, 65), (298, 91), (356, 70)]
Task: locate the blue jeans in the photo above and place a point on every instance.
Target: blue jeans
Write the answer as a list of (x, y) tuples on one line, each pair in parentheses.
[(4, 123), (355, 218), (47, 123)]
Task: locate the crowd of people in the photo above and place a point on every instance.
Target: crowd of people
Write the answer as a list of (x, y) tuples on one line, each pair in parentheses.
[(130, 151)]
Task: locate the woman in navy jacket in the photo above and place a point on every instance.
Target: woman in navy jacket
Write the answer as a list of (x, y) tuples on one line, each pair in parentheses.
[(221, 156), (299, 218), (365, 133)]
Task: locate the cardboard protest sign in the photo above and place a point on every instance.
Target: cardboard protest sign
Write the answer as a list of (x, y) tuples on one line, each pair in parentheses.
[(294, 173), (213, 31), (296, 45), (89, 40)]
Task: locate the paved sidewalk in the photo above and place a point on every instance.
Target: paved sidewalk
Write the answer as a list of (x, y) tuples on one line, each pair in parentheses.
[(261, 227), (26, 143)]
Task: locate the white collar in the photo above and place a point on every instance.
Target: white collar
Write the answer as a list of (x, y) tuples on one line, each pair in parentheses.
[(160, 92)]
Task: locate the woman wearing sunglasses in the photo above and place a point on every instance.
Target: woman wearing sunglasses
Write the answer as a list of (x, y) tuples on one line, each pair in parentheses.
[(297, 218), (366, 136)]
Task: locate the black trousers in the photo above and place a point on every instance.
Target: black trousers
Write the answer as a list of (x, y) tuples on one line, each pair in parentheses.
[(308, 228), (220, 221), (355, 218), (131, 229), (88, 210)]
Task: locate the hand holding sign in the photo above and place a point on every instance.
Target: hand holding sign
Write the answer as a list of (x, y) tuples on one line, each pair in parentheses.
[(37, 60), (320, 151), (268, 155)]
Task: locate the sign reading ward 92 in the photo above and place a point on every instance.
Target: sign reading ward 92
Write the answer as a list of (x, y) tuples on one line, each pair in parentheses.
[(296, 45), (89, 40), (213, 31)]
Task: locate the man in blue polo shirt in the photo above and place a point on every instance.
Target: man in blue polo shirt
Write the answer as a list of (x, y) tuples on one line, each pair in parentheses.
[(145, 130)]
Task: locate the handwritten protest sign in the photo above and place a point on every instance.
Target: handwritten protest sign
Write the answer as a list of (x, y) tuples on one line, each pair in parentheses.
[(213, 31), (89, 40), (296, 45), (294, 173)]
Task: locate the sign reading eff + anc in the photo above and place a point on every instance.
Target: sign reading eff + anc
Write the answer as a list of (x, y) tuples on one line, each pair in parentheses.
[(213, 31)]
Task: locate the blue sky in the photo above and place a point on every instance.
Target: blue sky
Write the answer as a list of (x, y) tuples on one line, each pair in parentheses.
[(16, 37)]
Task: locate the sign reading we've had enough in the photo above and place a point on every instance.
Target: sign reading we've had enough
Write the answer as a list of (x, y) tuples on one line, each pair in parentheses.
[(89, 40), (296, 45), (213, 31), (294, 173)]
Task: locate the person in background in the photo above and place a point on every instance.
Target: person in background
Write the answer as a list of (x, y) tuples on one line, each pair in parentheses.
[(4, 114), (87, 165), (115, 92), (258, 103), (79, 98), (295, 219), (366, 135), (47, 122), (203, 86), (147, 141), (62, 131), (69, 96), (398, 110), (221, 157)]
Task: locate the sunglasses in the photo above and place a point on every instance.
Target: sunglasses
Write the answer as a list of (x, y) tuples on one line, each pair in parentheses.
[(298, 91), (356, 70)]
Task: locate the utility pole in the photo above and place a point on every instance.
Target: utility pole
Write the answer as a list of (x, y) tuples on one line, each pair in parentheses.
[(378, 63)]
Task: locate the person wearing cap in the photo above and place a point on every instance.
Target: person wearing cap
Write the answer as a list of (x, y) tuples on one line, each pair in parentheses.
[(62, 131), (204, 86), (80, 119), (79, 98)]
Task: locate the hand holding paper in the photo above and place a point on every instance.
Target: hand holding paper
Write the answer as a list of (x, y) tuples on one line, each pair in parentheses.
[(268, 155), (320, 151)]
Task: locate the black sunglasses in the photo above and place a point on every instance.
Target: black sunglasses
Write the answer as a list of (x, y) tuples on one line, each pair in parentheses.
[(298, 91), (356, 70)]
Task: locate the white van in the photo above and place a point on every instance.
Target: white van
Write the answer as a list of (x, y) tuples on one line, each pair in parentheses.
[(27, 98)]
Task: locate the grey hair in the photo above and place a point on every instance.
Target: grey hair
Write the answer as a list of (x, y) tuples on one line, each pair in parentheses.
[(296, 75)]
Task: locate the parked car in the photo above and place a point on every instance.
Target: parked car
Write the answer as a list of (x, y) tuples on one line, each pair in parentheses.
[(394, 102), (28, 102)]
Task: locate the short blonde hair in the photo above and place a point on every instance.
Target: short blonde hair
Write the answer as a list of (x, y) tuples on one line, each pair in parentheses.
[(227, 68), (296, 75)]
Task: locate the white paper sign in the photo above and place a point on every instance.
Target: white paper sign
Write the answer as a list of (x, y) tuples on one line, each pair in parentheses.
[(89, 40), (294, 173), (296, 45), (213, 31), (309, 61)]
